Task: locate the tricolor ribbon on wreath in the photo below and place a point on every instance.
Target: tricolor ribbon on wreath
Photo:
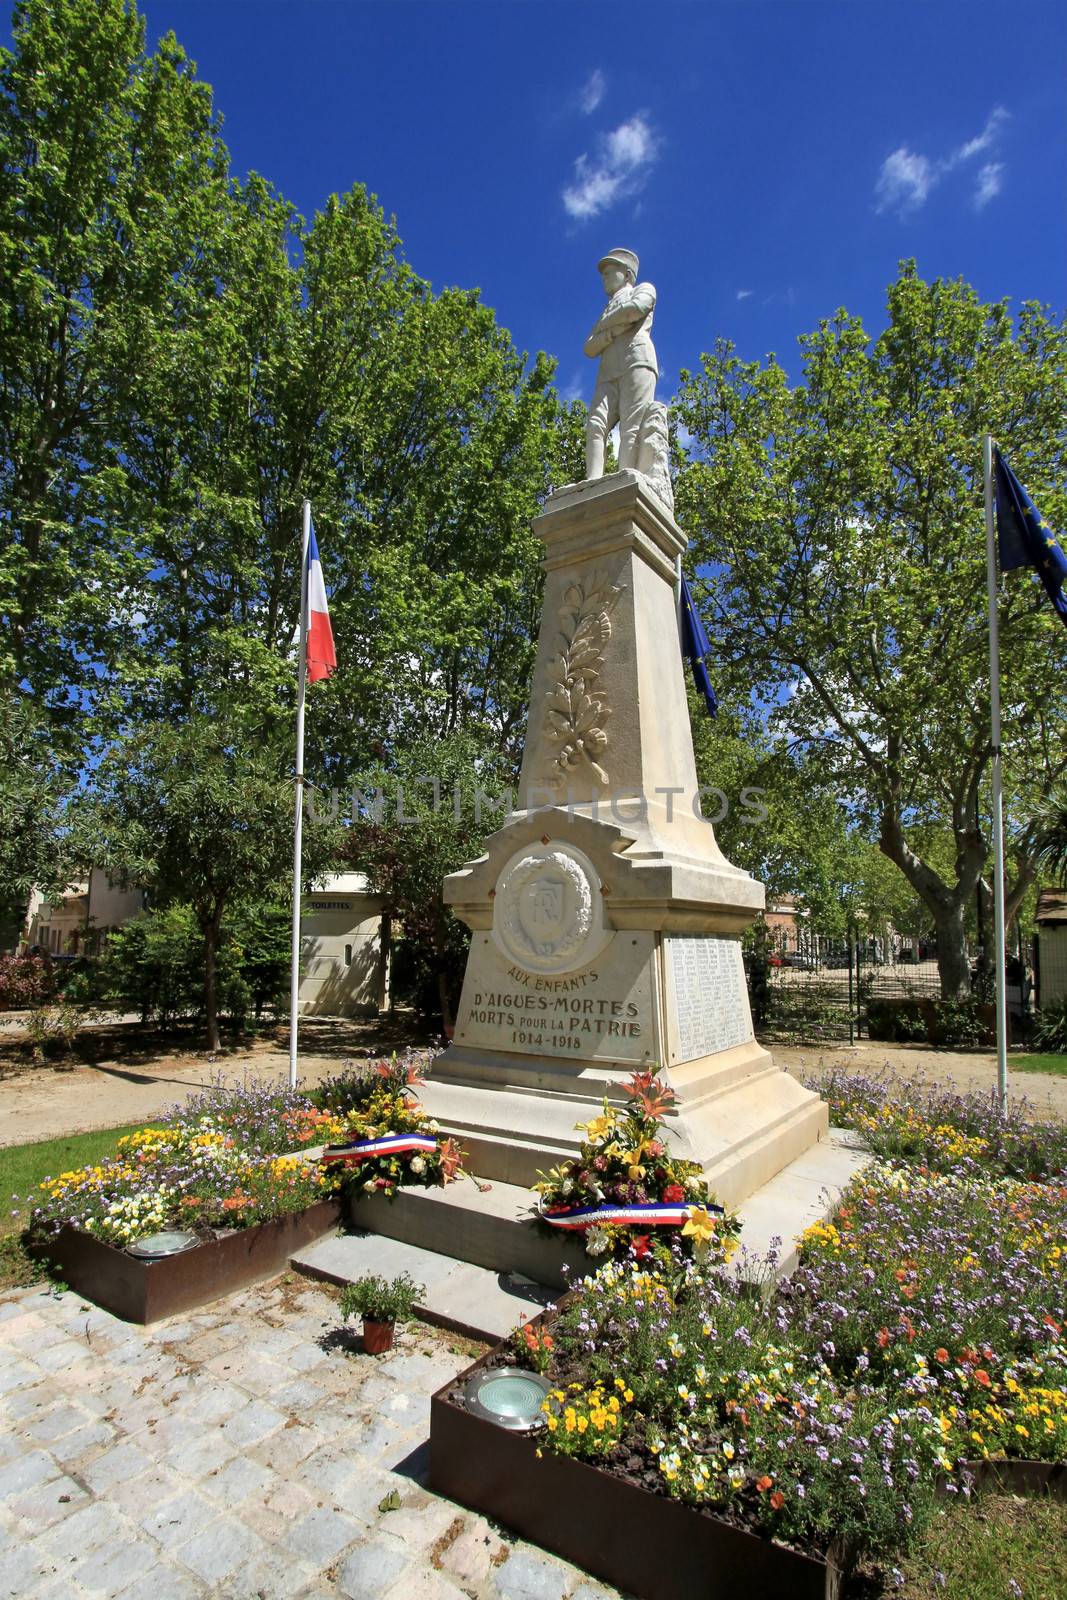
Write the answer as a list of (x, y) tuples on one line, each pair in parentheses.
[(645, 1216), (388, 1144)]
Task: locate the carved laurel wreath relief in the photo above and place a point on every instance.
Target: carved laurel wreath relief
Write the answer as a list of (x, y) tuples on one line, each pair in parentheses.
[(576, 712)]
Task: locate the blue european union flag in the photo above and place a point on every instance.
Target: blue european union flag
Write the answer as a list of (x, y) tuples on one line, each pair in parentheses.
[(1025, 538), (697, 646)]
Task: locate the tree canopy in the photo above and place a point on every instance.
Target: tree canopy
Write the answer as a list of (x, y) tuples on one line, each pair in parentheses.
[(840, 525)]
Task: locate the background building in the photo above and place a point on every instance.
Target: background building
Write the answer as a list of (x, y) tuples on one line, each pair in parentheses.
[(344, 962)]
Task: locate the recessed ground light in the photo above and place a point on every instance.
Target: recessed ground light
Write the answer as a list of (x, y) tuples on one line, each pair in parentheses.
[(509, 1397), (153, 1245)]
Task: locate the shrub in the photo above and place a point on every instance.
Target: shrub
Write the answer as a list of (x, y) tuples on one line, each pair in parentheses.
[(376, 1299), (154, 964), (25, 980), (1050, 1027)]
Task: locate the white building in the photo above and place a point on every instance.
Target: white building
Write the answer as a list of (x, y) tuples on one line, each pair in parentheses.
[(344, 957), (1051, 919), (87, 913)]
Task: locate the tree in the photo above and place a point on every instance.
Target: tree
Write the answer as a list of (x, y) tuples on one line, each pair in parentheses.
[(192, 816), (422, 817), (110, 169), (33, 786), (840, 524), (1048, 833)]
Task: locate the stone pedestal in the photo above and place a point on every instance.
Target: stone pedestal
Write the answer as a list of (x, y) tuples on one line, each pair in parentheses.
[(605, 920)]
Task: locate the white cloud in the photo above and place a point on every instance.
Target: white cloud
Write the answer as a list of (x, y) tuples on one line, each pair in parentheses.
[(743, 294), (988, 185), (621, 163), (592, 92), (904, 181), (906, 177), (985, 140)]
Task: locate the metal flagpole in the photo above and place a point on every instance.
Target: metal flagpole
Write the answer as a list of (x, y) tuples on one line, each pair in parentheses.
[(998, 804), (298, 817)]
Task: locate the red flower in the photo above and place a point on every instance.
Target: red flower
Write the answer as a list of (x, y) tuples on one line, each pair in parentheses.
[(764, 1483), (942, 1356), (883, 1337), (777, 1500), (673, 1194), (642, 1245), (982, 1377)]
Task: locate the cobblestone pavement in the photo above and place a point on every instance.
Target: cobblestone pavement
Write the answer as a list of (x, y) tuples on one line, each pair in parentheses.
[(244, 1451)]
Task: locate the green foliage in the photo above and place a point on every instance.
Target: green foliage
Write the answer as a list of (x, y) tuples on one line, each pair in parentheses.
[(182, 360), (456, 794), (202, 820), (1050, 1027), (840, 526), (378, 1299), (154, 964)]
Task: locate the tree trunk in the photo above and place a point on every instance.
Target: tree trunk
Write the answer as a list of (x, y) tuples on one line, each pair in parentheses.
[(953, 967), (447, 1019), (211, 997)]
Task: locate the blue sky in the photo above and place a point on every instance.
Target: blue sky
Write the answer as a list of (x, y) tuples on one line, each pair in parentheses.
[(769, 161)]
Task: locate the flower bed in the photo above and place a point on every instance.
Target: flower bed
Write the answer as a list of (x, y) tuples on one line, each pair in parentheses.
[(229, 1161), (923, 1330), (148, 1291), (613, 1526), (939, 1127)]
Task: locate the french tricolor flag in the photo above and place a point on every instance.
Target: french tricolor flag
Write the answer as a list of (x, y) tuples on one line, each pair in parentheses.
[(321, 656)]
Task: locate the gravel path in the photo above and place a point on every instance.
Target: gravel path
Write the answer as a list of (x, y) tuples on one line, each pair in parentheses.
[(135, 1086)]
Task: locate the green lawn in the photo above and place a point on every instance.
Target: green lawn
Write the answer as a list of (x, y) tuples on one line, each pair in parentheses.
[(1039, 1063), (980, 1547), (24, 1166)]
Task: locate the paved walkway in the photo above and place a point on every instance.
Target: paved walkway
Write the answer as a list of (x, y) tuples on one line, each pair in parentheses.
[(241, 1452)]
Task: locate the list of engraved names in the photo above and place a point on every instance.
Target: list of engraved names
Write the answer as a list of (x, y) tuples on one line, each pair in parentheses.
[(710, 995)]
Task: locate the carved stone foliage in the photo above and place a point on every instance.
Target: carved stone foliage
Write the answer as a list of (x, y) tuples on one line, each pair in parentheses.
[(576, 709), (653, 453)]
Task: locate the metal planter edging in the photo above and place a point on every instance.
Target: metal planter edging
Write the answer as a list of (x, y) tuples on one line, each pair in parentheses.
[(148, 1291), (645, 1544)]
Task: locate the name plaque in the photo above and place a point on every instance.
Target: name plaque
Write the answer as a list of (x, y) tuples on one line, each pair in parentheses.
[(604, 1012), (708, 1004)]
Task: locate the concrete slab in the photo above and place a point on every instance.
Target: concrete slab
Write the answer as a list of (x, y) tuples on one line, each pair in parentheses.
[(802, 1193), (469, 1299)]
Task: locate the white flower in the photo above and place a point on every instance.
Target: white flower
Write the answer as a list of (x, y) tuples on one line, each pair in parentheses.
[(596, 1242), (369, 1185), (418, 1165)]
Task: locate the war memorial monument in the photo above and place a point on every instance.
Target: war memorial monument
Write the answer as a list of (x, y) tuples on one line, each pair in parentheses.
[(605, 920)]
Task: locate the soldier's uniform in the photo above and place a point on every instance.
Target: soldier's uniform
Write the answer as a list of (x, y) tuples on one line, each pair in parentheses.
[(626, 378)]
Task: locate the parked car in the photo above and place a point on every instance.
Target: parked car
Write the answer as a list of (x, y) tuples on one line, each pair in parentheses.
[(801, 958)]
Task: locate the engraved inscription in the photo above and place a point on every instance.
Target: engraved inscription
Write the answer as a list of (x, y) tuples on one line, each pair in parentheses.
[(604, 1012), (711, 1010)]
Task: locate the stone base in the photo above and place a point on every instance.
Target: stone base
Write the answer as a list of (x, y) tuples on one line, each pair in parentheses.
[(739, 1117), (489, 1226)]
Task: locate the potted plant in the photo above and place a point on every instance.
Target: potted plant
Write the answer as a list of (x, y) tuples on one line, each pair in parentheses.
[(382, 1305)]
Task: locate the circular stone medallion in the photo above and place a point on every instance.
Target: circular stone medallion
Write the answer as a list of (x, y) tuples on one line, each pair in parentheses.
[(548, 909)]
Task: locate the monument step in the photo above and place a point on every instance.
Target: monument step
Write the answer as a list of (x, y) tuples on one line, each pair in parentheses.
[(488, 1227), (467, 1299)]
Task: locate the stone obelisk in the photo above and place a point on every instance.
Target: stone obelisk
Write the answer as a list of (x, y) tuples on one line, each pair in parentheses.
[(605, 921)]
